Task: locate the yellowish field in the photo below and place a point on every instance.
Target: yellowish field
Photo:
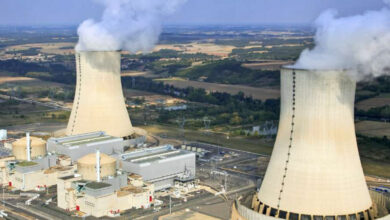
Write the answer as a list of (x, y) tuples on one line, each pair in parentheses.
[(50, 48), (373, 128), (268, 65), (138, 73), (8, 79), (207, 48), (257, 93), (29, 83)]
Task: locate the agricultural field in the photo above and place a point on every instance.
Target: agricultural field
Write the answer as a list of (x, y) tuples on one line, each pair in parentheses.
[(373, 128), (222, 51), (267, 65), (255, 92), (377, 101), (61, 48), (256, 145)]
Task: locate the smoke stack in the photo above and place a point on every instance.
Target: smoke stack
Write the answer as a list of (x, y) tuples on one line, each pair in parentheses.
[(28, 146), (97, 166), (99, 103), (315, 168)]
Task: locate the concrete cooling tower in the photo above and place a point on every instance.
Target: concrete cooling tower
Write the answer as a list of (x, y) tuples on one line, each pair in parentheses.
[(99, 103), (315, 170)]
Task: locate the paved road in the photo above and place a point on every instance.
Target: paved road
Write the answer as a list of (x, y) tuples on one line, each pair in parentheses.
[(191, 204)]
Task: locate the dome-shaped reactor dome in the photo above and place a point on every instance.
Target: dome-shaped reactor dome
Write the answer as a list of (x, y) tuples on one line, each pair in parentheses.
[(86, 166), (37, 145)]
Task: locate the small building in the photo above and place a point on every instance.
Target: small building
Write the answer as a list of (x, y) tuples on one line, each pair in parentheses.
[(102, 198), (159, 165), (32, 175), (3, 134), (4, 168)]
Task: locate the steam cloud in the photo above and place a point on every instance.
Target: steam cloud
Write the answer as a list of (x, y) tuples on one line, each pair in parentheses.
[(360, 43), (132, 25)]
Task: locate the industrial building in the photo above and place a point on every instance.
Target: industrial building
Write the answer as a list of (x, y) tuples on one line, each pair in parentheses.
[(159, 165), (30, 167), (77, 146), (99, 104), (315, 170), (29, 175), (98, 189), (3, 134)]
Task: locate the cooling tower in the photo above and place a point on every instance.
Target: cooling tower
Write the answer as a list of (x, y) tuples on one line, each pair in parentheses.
[(315, 170), (99, 103)]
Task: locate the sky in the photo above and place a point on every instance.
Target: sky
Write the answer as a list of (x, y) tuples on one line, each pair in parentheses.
[(195, 12)]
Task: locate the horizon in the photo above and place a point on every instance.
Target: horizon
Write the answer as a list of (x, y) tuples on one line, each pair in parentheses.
[(199, 12)]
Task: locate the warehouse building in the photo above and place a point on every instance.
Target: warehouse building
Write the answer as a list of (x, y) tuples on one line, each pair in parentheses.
[(77, 146), (159, 165)]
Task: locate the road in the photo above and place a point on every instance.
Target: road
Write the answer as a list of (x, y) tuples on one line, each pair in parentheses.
[(198, 202)]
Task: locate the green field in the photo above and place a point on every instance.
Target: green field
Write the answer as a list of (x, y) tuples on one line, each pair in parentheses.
[(255, 145)]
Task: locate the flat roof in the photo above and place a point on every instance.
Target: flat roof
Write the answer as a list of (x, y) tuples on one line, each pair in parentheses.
[(26, 163), (68, 177), (85, 139), (153, 154), (97, 185), (88, 140)]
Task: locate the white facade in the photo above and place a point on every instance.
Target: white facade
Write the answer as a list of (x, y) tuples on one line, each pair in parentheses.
[(99, 104), (3, 134), (315, 167)]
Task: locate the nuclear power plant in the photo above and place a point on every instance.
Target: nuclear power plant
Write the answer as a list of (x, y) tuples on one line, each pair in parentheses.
[(99, 103), (315, 170)]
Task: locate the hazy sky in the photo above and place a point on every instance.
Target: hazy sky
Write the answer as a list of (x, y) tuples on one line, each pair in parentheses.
[(43, 12)]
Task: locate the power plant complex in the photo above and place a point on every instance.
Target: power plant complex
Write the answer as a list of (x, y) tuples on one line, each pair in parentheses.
[(315, 170), (105, 167), (96, 166)]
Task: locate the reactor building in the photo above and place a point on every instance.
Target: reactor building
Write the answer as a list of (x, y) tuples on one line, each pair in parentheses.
[(99, 103), (315, 170)]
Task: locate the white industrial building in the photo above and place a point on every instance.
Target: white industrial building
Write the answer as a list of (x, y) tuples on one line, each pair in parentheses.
[(3, 134), (159, 165)]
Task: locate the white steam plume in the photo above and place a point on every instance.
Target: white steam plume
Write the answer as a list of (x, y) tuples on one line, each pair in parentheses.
[(360, 43), (132, 25)]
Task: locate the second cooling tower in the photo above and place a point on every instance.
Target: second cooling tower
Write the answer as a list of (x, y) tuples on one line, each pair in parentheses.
[(99, 104), (315, 170)]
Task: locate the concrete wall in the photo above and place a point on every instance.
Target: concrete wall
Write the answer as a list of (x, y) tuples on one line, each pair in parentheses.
[(315, 166), (161, 172), (240, 212), (66, 198), (29, 181), (99, 104)]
